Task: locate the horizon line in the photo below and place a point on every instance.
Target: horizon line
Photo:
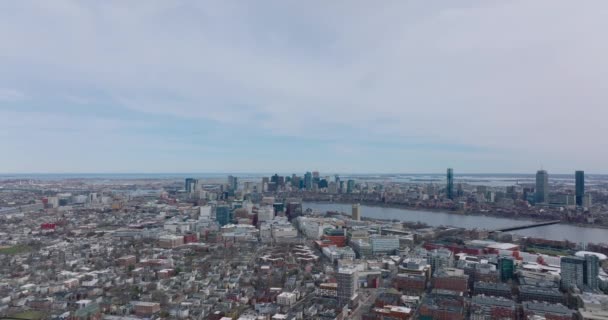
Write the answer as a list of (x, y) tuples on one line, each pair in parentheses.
[(278, 172)]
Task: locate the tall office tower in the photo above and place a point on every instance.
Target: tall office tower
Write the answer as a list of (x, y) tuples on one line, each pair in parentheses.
[(233, 183), (450, 185), (356, 213), (315, 174), (572, 272), (350, 186), (580, 187), (308, 180), (542, 186), (347, 285), (191, 185)]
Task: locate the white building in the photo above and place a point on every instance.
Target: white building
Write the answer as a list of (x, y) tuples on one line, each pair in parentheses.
[(384, 244), (204, 213), (265, 213), (286, 299)]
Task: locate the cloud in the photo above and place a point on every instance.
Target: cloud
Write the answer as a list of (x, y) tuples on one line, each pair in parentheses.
[(467, 77), (11, 95)]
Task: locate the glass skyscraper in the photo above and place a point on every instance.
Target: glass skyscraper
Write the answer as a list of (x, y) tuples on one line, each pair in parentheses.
[(542, 186), (450, 185), (580, 187)]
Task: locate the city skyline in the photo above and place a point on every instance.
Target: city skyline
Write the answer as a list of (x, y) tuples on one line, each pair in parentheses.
[(302, 172), (148, 87)]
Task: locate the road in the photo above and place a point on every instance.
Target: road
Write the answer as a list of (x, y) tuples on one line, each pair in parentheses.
[(366, 304)]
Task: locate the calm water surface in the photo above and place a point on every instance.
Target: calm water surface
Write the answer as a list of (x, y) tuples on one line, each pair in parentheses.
[(432, 218)]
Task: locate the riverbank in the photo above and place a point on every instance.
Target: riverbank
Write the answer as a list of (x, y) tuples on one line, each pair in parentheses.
[(406, 207), (438, 218), (457, 213)]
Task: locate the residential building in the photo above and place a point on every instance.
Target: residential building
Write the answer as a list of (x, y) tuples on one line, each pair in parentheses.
[(347, 285)]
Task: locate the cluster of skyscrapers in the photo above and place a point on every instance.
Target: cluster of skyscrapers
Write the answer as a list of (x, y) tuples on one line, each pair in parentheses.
[(541, 191), (542, 187)]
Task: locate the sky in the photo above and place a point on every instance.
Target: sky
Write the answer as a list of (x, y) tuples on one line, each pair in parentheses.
[(290, 86)]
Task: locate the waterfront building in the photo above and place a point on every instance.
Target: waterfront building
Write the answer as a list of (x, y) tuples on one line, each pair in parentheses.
[(587, 201), (579, 187), (308, 181), (542, 186), (350, 186), (450, 184), (356, 212)]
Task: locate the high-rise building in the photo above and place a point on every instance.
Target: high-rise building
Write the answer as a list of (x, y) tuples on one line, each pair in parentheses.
[(347, 285), (580, 187), (572, 271), (542, 186), (590, 277), (580, 272), (356, 213), (350, 186), (223, 215), (191, 185), (233, 183), (450, 184), (440, 259), (308, 181), (506, 268)]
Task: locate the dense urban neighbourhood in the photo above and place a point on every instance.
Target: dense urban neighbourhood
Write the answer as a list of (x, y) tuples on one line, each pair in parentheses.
[(249, 248)]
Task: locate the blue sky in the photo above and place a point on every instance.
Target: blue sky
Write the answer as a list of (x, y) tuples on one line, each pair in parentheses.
[(289, 86)]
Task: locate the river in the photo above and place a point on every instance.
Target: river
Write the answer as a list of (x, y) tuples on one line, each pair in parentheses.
[(433, 218)]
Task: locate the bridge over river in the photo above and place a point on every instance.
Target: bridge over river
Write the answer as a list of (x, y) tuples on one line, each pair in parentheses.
[(527, 226)]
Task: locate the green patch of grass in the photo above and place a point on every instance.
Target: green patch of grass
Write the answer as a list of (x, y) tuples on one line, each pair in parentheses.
[(29, 315), (15, 249), (547, 251)]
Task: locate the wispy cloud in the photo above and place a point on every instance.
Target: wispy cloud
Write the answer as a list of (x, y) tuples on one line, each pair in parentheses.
[(11, 95)]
